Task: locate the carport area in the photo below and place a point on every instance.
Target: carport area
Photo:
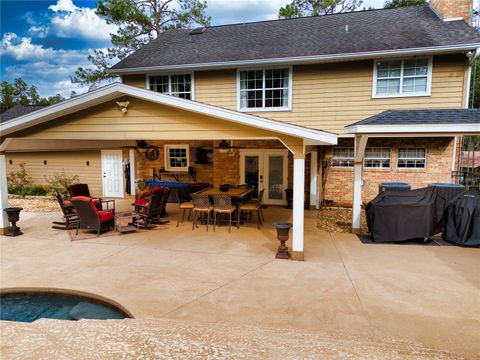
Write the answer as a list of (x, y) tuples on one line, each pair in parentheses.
[(406, 123)]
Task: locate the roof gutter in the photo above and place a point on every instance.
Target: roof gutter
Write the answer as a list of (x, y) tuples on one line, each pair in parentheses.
[(303, 59)]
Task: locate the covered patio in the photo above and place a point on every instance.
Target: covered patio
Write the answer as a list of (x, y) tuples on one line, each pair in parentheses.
[(118, 115)]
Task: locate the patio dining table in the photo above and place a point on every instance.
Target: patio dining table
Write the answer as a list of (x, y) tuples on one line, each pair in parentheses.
[(237, 195)]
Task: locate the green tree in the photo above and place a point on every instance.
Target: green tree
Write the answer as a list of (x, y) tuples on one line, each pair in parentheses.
[(391, 4), (19, 93), (138, 22), (298, 8)]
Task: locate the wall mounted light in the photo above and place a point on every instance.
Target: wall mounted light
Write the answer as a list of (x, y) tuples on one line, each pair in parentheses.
[(44, 162), (88, 163), (10, 162), (123, 106)]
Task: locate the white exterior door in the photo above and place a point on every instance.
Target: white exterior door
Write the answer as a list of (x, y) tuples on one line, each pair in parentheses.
[(112, 173), (266, 170)]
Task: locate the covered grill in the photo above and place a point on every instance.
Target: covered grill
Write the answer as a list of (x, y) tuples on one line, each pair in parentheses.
[(462, 219), (405, 215)]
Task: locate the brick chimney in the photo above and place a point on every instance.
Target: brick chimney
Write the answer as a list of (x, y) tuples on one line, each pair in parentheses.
[(453, 9)]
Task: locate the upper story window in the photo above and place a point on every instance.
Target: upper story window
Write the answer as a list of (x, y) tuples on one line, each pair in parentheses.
[(412, 158), (177, 85), (177, 157), (377, 157), (407, 77), (268, 89), (343, 157)]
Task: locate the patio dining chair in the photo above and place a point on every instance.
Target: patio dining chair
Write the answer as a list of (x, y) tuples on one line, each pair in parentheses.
[(201, 206), (184, 204), (90, 217), (222, 204), (251, 207)]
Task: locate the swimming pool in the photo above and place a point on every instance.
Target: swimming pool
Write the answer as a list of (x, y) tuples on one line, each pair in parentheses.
[(31, 306)]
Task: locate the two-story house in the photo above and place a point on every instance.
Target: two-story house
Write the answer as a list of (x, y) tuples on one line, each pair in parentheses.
[(269, 104)]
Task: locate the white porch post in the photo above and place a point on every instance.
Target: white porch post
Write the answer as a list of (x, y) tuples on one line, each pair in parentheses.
[(360, 145), (3, 194), (314, 180), (298, 204), (133, 170)]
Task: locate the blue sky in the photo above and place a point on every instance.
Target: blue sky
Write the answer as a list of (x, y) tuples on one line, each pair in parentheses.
[(44, 42)]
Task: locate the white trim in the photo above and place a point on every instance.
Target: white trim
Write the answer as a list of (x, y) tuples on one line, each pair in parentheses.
[(133, 171), (467, 85), (454, 152), (113, 91), (3, 192), (298, 203), (303, 59), (314, 198), (401, 94), (453, 19), (166, 149), (169, 74), (419, 128), (265, 109)]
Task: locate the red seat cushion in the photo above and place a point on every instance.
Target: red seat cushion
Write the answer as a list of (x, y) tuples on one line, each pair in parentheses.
[(105, 215), (157, 188), (67, 203), (140, 202)]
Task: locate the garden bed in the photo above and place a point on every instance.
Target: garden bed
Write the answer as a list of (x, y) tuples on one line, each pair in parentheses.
[(34, 203)]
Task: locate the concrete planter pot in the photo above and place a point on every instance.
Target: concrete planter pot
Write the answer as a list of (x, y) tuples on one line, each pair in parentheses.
[(13, 214), (283, 229)]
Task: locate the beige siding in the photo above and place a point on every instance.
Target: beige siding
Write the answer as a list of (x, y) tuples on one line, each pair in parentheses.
[(331, 96), (73, 163), (135, 80), (144, 120)]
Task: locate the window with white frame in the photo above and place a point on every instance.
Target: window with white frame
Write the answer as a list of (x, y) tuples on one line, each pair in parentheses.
[(176, 85), (407, 77), (412, 158), (264, 89), (377, 157), (343, 157), (177, 157)]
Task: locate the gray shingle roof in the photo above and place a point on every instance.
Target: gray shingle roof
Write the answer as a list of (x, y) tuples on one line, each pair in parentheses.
[(19, 110), (374, 30), (417, 117)]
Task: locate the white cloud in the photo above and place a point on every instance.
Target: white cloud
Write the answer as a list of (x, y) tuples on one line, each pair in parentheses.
[(39, 32), (23, 49), (63, 5)]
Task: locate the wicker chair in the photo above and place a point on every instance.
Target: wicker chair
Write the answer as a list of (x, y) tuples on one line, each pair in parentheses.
[(90, 217), (150, 213), (83, 190), (184, 204), (254, 206), (201, 206), (222, 204)]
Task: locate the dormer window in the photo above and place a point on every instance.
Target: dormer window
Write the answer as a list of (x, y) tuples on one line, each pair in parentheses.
[(180, 85), (264, 90), (405, 77)]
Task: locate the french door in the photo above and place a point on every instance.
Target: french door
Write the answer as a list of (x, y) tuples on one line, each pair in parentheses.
[(267, 170), (112, 173)]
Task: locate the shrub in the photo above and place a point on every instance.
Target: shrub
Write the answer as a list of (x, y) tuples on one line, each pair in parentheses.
[(35, 190), (60, 182), (18, 180)]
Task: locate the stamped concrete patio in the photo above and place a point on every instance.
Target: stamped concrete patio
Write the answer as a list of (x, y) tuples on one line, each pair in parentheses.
[(426, 295)]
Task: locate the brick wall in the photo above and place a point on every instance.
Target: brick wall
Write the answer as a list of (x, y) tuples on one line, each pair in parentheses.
[(226, 166), (339, 184)]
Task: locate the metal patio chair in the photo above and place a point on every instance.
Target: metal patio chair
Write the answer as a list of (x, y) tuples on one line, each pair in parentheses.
[(222, 204), (201, 206)]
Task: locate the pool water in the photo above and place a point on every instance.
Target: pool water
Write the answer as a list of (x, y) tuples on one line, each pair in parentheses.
[(28, 307)]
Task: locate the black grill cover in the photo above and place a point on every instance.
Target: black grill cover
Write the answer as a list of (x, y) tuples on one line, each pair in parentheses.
[(462, 219), (405, 215)]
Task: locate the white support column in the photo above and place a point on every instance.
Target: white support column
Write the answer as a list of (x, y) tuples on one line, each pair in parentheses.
[(298, 204), (133, 177), (360, 145), (3, 194), (314, 180)]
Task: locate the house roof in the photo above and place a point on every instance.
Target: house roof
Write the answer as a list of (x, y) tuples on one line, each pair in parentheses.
[(355, 34), (429, 120), (19, 110), (113, 91)]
